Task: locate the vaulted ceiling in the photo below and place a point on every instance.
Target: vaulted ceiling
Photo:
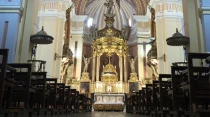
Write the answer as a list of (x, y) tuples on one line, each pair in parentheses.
[(96, 10), (138, 5)]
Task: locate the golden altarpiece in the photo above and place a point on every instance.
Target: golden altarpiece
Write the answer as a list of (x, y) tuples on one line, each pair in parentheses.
[(108, 84)]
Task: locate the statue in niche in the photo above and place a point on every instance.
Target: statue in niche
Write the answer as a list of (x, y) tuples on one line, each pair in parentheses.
[(86, 61), (126, 32), (109, 6), (93, 33), (132, 64), (153, 63)]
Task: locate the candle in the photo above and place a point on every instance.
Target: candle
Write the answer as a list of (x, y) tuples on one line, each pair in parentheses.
[(129, 22)]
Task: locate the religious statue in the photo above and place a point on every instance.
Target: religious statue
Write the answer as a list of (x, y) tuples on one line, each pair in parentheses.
[(132, 64), (153, 24), (109, 5), (126, 32), (93, 33), (86, 61), (153, 63), (65, 64)]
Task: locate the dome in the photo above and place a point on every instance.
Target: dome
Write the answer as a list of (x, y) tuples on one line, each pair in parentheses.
[(41, 38), (177, 39)]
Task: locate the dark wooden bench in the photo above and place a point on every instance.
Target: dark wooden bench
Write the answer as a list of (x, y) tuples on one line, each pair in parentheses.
[(143, 101), (154, 99), (196, 87), (62, 98), (176, 93), (6, 82), (23, 91), (148, 99), (68, 98), (162, 95)]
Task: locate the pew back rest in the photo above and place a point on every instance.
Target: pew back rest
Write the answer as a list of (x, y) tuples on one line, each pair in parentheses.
[(23, 74)]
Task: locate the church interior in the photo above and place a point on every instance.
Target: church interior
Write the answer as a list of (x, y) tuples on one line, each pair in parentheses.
[(147, 58)]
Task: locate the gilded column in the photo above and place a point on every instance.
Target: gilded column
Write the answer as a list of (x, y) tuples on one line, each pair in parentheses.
[(93, 69), (121, 68), (125, 69), (97, 69)]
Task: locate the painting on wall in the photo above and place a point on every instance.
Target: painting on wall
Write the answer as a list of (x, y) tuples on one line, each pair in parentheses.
[(133, 87), (84, 87)]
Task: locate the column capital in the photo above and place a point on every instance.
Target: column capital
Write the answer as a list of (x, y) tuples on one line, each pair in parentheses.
[(54, 8), (167, 8)]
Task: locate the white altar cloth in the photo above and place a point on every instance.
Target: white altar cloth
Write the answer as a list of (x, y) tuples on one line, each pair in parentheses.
[(109, 98)]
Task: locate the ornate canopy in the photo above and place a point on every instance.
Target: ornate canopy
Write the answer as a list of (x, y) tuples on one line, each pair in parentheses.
[(110, 40)]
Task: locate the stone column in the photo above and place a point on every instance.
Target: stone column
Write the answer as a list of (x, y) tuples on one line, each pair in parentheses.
[(53, 14), (169, 16), (121, 68), (205, 19), (93, 69), (98, 67), (125, 69), (192, 24)]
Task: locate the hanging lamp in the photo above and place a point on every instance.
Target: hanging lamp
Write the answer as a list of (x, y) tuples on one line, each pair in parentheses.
[(41, 37), (177, 39)]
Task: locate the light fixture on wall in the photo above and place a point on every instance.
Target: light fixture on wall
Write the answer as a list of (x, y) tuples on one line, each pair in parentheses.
[(56, 56), (163, 57)]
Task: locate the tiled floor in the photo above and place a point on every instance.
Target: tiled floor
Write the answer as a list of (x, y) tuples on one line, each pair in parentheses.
[(93, 114)]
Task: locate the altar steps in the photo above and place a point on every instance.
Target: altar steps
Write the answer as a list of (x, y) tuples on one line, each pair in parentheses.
[(90, 114)]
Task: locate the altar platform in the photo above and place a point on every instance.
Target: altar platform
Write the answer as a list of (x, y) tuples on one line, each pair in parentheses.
[(109, 102)]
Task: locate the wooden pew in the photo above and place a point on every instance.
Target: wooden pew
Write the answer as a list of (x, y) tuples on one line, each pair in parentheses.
[(164, 100), (73, 100), (196, 88), (148, 99), (175, 92), (23, 90), (61, 98), (143, 101), (6, 82), (131, 104), (51, 100), (68, 98), (154, 99), (41, 92)]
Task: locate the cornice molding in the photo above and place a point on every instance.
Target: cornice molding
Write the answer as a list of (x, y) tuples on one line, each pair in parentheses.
[(67, 2), (204, 11), (11, 9)]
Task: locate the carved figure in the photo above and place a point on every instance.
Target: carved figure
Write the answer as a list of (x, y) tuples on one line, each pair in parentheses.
[(109, 6), (65, 64), (126, 32), (132, 64), (93, 33), (86, 61), (153, 24), (154, 65)]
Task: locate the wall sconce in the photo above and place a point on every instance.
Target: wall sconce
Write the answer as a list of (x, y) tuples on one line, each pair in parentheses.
[(56, 56), (162, 58)]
